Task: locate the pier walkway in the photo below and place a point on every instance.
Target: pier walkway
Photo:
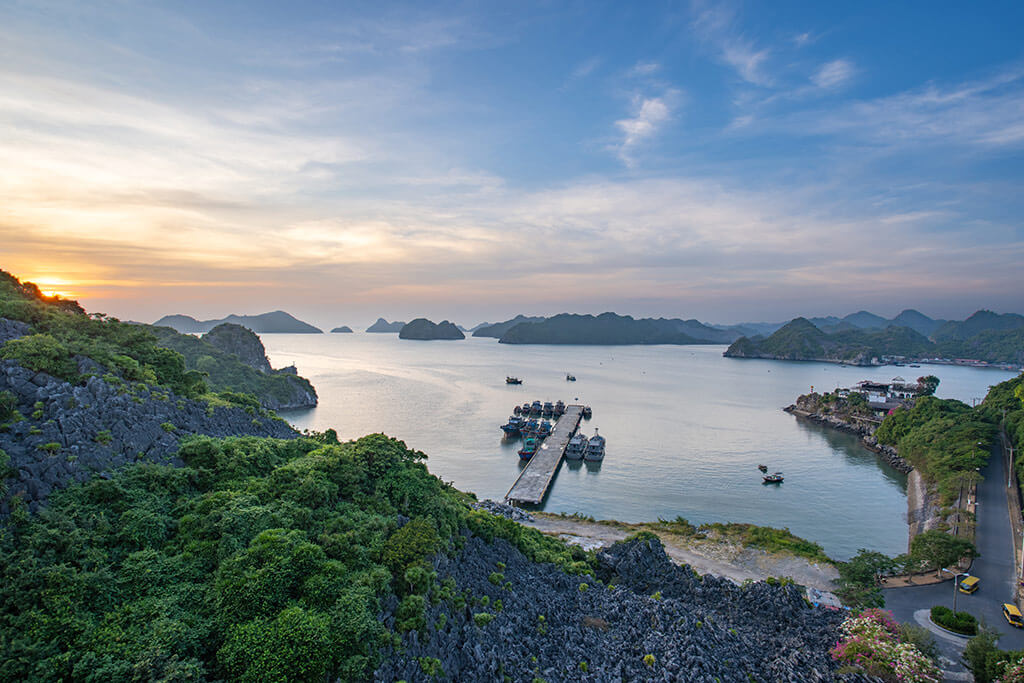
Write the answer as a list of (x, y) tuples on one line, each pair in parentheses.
[(532, 484)]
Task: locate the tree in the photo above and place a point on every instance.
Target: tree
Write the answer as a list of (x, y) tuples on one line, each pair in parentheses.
[(938, 549), (977, 652), (928, 384)]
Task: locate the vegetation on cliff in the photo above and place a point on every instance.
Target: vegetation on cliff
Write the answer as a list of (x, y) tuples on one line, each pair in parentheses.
[(259, 560), (232, 359)]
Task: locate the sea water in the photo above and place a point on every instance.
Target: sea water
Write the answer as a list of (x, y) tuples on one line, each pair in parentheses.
[(686, 427)]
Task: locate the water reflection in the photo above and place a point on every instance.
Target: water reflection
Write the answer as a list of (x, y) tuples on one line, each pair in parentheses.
[(853, 451)]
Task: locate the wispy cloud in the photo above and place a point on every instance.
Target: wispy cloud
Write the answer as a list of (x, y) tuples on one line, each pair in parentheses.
[(715, 25), (649, 115), (834, 74)]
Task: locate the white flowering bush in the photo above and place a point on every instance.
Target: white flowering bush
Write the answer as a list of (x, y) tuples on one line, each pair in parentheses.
[(871, 644), (1014, 672)]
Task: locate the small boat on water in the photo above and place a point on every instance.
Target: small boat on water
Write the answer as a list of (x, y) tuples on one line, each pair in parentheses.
[(548, 410), (595, 448), (774, 478), (763, 468), (570, 378), (514, 424), (587, 413), (513, 380), (577, 447), (529, 449), (559, 409), (544, 429)]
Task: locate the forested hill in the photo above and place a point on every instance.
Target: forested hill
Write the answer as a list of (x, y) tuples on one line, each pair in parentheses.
[(264, 323), (612, 329), (984, 336)]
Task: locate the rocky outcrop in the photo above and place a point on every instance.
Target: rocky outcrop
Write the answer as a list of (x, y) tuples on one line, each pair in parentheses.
[(558, 627), (383, 325), (423, 329), (613, 329), (242, 342), (12, 329), (71, 433), (344, 329)]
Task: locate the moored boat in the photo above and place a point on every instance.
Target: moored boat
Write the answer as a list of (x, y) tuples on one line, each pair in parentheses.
[(536, 408), (544, 429), (529, 449), (559, 409), (548, 410), (595, 448), (774, 478), (577, 447), (529, 427), (763, 468), (587, 413), (513, 380), (514, 424), (570, 378)]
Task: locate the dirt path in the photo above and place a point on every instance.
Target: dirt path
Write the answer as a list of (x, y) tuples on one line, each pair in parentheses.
[(705, 556)]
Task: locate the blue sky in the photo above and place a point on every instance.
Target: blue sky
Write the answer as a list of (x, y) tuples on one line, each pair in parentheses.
[(725, 161)]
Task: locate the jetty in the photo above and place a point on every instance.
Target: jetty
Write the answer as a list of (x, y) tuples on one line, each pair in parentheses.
[(532, 483)]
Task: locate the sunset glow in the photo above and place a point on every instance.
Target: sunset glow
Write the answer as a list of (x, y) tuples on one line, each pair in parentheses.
[(345, 163)]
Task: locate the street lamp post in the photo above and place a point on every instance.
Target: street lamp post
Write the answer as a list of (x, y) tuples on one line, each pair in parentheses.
[(956, 581)]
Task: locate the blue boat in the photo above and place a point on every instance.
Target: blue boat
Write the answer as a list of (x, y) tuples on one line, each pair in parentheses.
[(513, 425), (544, 429), (529, 449)]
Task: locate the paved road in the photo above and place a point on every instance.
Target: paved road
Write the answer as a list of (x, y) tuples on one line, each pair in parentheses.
[(994, 566)]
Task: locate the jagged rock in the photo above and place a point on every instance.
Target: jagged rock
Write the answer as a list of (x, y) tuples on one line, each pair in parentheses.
[(698, 629), (12, 329), (99, 426), (503, 510)]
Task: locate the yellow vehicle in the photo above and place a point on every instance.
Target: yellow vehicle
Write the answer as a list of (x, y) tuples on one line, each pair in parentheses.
[(969, 584), (1012, 615)]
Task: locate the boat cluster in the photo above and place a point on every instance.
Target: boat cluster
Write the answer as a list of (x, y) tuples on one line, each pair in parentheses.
[(582, 448)]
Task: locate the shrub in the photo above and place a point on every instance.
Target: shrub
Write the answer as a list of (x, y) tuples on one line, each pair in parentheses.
[(958, 622), (496, 578), (104, 436), (431, 666), (871, 644), (50, 448), (649, 659), (411, 613), (168, 427), (481, 619), (583, 588), (42, 353)]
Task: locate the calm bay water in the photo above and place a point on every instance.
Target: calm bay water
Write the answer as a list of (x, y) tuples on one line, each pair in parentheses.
[(686, 428)]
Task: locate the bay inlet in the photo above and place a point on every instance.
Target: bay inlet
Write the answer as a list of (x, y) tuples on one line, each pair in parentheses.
[(686, 428)]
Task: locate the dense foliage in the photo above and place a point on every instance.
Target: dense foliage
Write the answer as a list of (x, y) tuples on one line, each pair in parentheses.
[(958, 622), (61, 330), (946, 440), (260, 560), (988, 663), (609, 328)]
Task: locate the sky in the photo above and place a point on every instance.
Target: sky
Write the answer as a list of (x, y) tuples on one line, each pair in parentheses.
[(473, 160)]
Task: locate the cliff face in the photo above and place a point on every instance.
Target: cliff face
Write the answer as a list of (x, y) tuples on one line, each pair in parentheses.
[(241, 342), (423, 329), (70, 433)]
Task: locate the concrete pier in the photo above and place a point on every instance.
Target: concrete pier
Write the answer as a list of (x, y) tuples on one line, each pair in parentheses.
[(532, 484)]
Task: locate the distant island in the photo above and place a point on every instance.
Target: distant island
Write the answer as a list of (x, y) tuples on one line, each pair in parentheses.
[(265, 323), (613, 329), (423, 329), (383, 325), (344, 329), (496, 330), (985, 337)]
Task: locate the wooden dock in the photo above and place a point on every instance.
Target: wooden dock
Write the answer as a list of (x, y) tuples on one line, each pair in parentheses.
[(532, 484)]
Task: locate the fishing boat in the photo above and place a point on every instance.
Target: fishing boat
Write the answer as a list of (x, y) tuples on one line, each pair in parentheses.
[(524, 410), (544, 429), (513, 380), (529, 427), (577, 447), (548, 410), (514, 424), (774, 478), (536, 408), (570, 378), (529, 449), (595, 448), (587, 413), (559, 409), (763, 468)]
